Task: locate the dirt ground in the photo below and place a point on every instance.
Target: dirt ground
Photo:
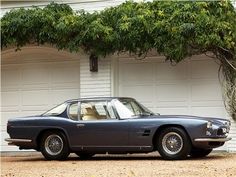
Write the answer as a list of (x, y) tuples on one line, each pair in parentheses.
[(143, 165)]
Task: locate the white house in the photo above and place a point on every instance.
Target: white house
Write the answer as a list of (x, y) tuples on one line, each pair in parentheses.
[(40, 77)]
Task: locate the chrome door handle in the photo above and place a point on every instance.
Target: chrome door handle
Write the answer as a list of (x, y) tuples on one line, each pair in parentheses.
[(80, 125)]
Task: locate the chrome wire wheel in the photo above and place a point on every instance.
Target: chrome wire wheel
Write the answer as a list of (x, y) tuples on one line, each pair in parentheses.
[(53, 144), (172, 143)]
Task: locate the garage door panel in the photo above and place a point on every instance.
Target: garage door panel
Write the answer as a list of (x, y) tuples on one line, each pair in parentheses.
[(10, 99), (137, 72), (32, 111), (165, 71), (205, 68), (173, 110), (36, 75), (65, 74), (36, 97), (217, 103), (59, 96), (172, 104), (10, 78), (191, 87), (172, 92), (139, 92), (209, 111), (65, 85), (206, 92)]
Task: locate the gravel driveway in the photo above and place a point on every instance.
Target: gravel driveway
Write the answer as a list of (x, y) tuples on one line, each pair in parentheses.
[(144, 165)]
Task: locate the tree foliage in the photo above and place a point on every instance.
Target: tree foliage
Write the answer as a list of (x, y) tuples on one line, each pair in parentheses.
[(174, 29)]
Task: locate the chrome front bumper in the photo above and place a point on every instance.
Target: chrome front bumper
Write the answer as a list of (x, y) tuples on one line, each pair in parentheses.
[(212, 139)]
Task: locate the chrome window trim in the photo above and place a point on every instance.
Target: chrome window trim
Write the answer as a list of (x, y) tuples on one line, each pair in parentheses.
[(68, 108)]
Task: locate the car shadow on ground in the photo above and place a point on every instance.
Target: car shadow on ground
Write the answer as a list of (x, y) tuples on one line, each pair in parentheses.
[(118, 158)]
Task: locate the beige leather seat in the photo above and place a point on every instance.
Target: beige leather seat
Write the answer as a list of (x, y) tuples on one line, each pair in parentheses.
[(90, 114)]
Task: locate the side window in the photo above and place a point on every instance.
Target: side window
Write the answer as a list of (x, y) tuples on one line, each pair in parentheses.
[(96, 110), (127, 108), (73, 111), (110, 110), (124, 109)]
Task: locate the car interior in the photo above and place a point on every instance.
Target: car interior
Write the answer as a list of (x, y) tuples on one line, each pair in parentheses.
[(93, 112)]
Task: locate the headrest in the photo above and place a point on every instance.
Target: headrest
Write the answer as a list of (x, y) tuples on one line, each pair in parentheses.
[(90, 111)]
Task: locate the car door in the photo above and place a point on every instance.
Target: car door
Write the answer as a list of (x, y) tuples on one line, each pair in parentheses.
[(98, 127), (141, 128)]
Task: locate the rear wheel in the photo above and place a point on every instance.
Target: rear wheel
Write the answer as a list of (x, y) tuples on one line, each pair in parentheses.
[(54, 146), (84, 156), (173, 143), (198, 153)]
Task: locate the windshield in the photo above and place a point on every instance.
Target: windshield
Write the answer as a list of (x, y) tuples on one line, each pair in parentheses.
[(56, 110), (128, 108)]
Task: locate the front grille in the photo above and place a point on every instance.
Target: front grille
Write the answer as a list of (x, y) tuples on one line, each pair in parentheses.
[(220, 132)]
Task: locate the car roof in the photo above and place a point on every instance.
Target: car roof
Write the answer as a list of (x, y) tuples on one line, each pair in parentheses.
[(96, 99)]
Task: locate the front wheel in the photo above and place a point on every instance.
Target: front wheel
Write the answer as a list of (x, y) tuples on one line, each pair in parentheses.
[(173, 144), (198, 153), (54, 146)]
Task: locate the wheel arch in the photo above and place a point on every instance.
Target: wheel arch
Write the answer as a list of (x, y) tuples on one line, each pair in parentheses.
[(162, 127), (42, 132)]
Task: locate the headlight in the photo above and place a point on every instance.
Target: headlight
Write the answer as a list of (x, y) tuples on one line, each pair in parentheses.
[(209, 125), (228, 123)]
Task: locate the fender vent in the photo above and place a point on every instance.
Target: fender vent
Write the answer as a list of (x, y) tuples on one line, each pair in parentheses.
[(146, 132)]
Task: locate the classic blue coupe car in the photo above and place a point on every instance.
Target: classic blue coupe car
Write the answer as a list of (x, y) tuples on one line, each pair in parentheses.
[(115, 125)]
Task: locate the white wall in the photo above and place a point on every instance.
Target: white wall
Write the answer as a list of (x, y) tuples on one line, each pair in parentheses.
[(95, 83), (87, 5)]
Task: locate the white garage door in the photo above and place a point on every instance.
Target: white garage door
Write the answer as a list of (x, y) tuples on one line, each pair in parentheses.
[(189, 88), (35, 80)]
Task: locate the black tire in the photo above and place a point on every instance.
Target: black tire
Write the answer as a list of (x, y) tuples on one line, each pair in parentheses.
[(54, 145), (198, 153), (84, 156), (173, 144)]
